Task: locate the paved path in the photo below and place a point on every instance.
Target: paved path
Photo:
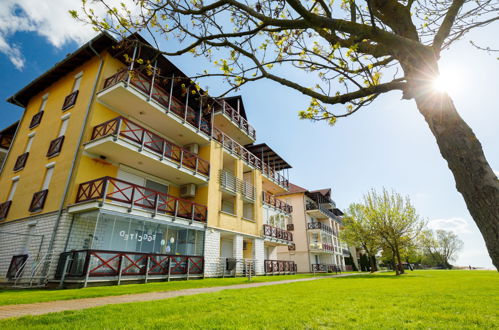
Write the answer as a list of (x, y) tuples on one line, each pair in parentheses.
[(77, 304)]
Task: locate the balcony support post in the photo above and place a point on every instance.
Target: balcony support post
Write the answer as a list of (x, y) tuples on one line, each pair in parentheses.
[(192, 213), (152, 81), (131, 65), (212, 119), (197, 166), (176, 210), (200, 113), (120, 268), (142, 140), (163, 151), (147, 269), (89, 266), (186, 104), (104, 191), (118, 129), (181, 158), (132, 200), (188, 266), (169, 267), (171, 94), (156, 197)]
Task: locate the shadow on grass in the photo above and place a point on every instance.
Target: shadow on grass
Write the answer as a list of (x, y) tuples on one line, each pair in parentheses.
[(370, 276)]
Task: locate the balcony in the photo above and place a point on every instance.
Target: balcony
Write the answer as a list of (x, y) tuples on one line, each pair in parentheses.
[(233, 123), (322, 247), (278, 234), (276, 203), (140, 96), (4, 209), (124, 141), (320, 226), (279, 267), (318, 211), (131, 196), (102, 265), (250, 159)]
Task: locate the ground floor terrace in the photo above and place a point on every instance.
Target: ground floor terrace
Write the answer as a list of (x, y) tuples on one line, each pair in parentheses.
[(105, 245)]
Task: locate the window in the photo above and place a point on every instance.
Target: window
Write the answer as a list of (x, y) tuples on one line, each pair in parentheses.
[(48, 177), (248, 211), (228, 204)]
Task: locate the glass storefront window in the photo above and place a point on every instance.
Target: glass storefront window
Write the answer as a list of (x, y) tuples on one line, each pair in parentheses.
[(115, 232)]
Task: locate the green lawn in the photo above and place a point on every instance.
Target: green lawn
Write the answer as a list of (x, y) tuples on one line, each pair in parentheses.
[(421, 299), (11, 297)]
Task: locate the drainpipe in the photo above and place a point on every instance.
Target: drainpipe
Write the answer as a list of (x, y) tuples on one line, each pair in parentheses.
[(68, 182), (15, 133)]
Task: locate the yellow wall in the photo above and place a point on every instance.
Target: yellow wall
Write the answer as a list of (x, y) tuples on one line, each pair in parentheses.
[(31, 177)]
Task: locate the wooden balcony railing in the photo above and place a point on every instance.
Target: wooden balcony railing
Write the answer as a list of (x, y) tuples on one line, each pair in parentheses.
[(328, 247), (164, 149), (270, 231), (235, 148), (38, 201), (223, 107), (280, 266), (115, 264), (36, 119), (4, 209), (276, 203), (70, 100), (55, 146), (135, 196), (153, 90), (21, 161)]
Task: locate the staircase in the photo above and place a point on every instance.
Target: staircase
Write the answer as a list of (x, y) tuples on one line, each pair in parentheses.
[(38, 274)]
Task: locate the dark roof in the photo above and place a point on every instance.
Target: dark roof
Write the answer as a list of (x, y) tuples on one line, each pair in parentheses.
[(265, 153), (324, 192), (62, 68), (10, 130), (233, 100), (293, 189)]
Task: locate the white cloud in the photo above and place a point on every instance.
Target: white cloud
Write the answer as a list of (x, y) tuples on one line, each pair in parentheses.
[(48, 19), (457, 225)]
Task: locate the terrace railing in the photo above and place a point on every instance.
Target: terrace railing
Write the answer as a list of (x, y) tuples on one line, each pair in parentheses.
[(280, 267), (133, 132), (321, 226), (84, 264), (151, 89), (223, 107), (330, 268), (276, 203), (135, 196), (274, 232), (249, 158)]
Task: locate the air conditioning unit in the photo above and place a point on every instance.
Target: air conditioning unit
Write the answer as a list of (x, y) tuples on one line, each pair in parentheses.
[(193, 147), (188, 190)]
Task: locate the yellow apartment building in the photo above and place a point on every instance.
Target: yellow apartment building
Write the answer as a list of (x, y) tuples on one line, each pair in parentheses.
[(316, 223), (122, 169)]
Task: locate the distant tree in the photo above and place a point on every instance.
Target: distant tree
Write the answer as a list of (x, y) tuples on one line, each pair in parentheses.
[(394, 220), (342, 55), (441, 247), (358, 232)]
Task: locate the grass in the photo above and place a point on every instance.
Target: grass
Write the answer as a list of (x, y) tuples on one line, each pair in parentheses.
[(11, 297), (419, 300)]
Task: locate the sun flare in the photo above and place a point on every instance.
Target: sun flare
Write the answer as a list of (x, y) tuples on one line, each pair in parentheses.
[(446, 82)]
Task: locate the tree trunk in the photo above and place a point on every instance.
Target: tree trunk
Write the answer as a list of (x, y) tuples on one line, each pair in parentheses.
[(394, 265), (399, 262), (458, 145), (372, 263), (474, 177)]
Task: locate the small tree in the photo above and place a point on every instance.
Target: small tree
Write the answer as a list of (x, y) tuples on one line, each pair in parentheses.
[(441, 247), (394, 220), (342, 55), (359, 232)]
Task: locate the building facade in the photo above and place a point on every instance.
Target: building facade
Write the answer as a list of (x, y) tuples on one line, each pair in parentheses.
[(316, 222), (122, 168)]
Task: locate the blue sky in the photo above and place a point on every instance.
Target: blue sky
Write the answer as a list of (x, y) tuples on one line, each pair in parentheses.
[(385, 145)]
